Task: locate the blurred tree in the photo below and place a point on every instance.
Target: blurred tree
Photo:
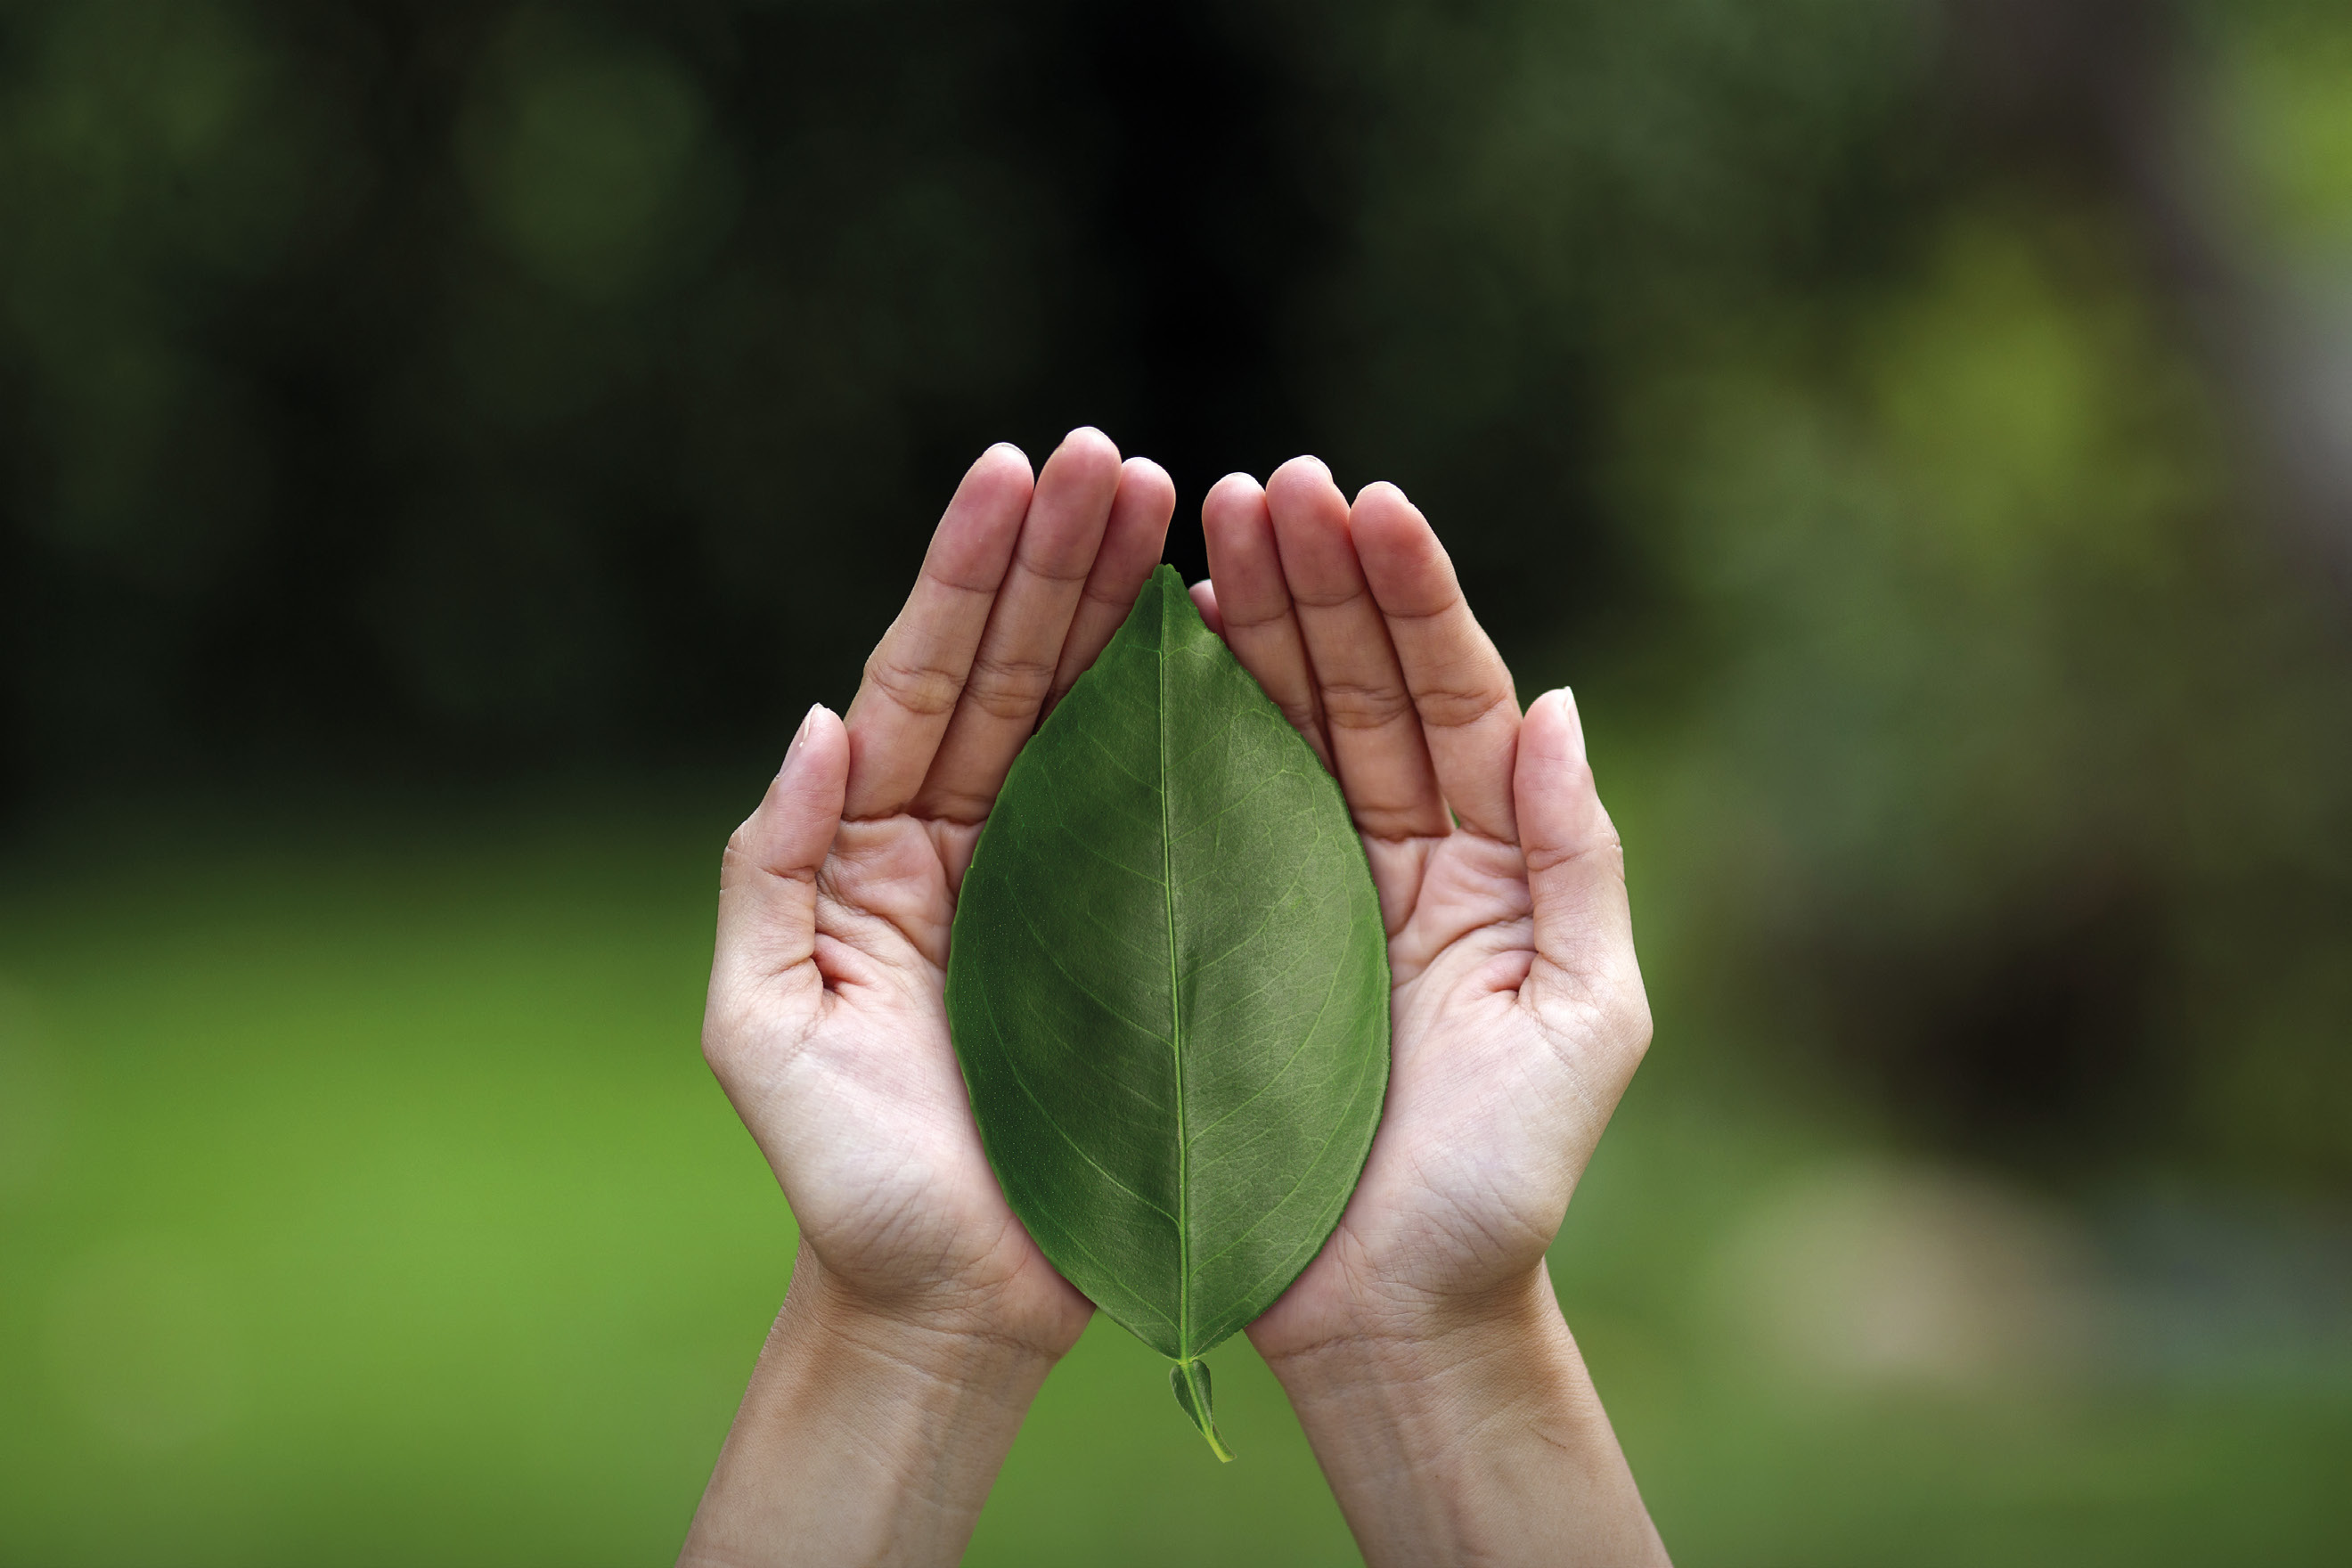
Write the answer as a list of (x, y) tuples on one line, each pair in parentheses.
[(421, 384), (1839, 387)]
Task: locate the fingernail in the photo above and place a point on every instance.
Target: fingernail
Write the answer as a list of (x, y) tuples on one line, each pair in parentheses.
[(1575, 723), (799, 735)]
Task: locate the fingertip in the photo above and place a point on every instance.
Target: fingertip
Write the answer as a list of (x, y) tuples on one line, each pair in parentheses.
[(793, 827), (979, 525), (1204, 599), (1141, 509), (1576, 863), (1552, 735), (1309, 518), (800, 738), (1235, 495), (1001, 461), (1148, 478), (1302, 490), (1382, 509), (1404, 563), (1572, 720), (1087, 441), (822, 740), (1082, 475), (1234, 509), (1305, 471)]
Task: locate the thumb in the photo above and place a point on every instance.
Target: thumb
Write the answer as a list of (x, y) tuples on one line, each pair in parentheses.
[(767, 882), (1584, 977)]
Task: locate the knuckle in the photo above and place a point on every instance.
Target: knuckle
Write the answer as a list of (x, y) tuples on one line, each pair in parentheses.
[(1633, 1026), (1099, 589), (740, 859), (1064, 569), (1008, 688), (1458, 708), (1324, 598), (1353, 707), (720, 1036), (1564, 1007), (924, 690), (1603, 849), (940, 804), (1246, 617), (1393, 824), (1611, 852)]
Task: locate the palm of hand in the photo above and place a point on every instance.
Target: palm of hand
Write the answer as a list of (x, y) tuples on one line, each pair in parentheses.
[(828, 1024), (1516, 1010), (1469, 1177), (886, 1178)]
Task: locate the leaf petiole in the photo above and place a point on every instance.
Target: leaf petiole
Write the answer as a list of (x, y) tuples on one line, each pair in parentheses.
[(1190, 1379)]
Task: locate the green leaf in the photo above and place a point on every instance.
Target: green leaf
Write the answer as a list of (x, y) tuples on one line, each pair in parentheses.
[(1169, 988)]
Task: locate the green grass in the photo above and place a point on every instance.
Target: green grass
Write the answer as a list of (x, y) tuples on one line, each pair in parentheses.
[(363, 1200)]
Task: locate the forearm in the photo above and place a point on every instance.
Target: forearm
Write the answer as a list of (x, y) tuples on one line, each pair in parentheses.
[(862, 1440), (1482, 1443)]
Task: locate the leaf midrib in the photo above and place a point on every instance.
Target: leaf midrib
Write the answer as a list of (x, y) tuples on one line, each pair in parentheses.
[(1175, 1006)]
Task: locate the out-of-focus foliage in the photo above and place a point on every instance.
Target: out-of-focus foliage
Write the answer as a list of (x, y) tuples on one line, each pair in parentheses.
[(2024, 758), (423, 385), (2008, 757), (2285, 102), (550, 381), (527, 382)]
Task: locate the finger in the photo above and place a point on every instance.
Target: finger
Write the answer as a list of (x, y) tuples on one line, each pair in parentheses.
[(916, 672), (767, 882), (1460, 686), (1004, 691), (1377, 748), (1584, 962), (1204, 599), (1255, 615), (1131, 545)]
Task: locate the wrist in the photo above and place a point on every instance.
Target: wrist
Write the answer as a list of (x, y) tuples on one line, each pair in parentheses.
[(1467, 1431), (1425, 1355), (936, 1346), (867, 1434)]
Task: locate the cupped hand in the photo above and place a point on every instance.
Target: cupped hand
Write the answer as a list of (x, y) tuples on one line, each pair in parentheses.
[(827, 1023), (1517, 1010)]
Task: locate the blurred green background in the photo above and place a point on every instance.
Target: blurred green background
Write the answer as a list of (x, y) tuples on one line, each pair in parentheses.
[(442, 447)]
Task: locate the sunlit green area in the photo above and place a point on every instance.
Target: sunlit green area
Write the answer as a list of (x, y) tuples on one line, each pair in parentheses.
[(364, 1199)]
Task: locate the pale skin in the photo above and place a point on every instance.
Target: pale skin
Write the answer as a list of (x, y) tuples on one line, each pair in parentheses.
[(1424, 1348)]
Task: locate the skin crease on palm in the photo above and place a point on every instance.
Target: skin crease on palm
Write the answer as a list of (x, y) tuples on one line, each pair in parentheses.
[(1423, 1342)]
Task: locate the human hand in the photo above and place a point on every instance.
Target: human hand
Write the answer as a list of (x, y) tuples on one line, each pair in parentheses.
[(1518, 1019), (827, 1026)]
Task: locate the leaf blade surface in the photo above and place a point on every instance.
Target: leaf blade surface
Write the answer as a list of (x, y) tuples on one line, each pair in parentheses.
[(1169, 989)]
